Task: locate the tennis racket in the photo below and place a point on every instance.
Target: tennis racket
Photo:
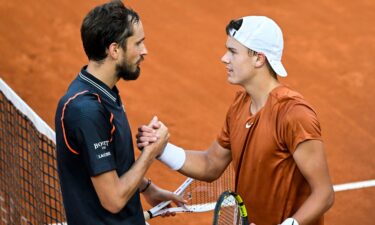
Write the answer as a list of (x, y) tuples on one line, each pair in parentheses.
[(230, 210), (201, 196)]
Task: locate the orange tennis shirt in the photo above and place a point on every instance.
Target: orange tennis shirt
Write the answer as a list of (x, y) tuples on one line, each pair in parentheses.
[(262, 146)]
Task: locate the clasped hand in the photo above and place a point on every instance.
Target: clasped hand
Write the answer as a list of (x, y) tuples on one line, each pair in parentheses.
[(155, 133)]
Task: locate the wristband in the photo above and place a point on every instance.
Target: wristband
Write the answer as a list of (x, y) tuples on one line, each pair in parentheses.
[(147, 186), (173, 156), (290, 221)]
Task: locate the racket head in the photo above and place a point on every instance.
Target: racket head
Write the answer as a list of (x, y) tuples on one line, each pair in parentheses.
[(230, 210)]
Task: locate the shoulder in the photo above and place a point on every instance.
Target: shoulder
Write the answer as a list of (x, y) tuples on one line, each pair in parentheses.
[(291, 106), (84, 104), (290, 100), (284, 94)]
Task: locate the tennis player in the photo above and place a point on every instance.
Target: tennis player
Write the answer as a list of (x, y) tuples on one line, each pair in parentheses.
[(271, 134), (100, 179)]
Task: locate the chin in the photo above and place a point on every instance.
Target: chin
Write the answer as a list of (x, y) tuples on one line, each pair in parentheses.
[(129, 75), (231, 80)]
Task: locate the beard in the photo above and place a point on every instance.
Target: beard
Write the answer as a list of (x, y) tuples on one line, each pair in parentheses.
[(124, 71)]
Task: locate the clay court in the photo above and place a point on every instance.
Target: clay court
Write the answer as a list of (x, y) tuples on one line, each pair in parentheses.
[(329, 54)]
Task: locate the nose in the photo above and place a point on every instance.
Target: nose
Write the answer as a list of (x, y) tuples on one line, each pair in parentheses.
[(144, 50), (225, 58)]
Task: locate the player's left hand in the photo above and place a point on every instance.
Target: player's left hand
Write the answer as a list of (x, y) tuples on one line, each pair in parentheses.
[(154, 195)]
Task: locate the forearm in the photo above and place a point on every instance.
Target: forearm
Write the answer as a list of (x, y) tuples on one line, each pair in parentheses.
[(200, 166), (208, 164), (134, 179), (203, 165), (315, 206), (113, 191), (190, 163)]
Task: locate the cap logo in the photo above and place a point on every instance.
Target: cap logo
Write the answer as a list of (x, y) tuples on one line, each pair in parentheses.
[(233, 32)]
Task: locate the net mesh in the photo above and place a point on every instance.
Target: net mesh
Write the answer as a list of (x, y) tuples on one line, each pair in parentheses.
[(29, 185), (200, 192)]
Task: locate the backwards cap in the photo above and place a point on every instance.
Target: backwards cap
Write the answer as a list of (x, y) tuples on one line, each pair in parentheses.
[(262, 34)]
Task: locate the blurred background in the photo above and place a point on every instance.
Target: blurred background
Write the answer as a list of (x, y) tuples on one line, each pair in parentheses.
[(329, 52)]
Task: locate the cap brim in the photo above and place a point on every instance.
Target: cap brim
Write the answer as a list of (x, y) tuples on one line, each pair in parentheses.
[(278, 67)]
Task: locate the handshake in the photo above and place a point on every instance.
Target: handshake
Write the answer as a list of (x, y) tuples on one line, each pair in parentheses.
[(153, 139)]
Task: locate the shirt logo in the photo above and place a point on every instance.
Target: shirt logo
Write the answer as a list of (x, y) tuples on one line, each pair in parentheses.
[(106, 154), (248, 125), (103, 145)]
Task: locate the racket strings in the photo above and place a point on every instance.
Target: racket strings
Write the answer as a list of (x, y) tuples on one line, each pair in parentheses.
[(228, 213)]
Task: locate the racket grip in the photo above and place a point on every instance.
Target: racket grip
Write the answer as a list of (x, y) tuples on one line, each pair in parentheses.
[(147, 215)]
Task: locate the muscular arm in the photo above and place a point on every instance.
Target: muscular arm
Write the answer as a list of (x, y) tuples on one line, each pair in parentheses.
[(114, 191), (311, 161), (206, 165)]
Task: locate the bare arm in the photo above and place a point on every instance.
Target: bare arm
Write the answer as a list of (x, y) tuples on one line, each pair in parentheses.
[(311, 161), (114, 191), (206, 165)]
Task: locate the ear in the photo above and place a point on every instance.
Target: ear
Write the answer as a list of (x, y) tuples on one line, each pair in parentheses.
[(114, 50), (261, 59)]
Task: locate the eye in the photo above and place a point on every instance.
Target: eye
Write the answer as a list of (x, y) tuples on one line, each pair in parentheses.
[(232, 51), (140, 42)]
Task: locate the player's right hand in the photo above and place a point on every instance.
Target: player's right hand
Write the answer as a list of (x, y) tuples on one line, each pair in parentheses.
[(157, 147), (147, 133)]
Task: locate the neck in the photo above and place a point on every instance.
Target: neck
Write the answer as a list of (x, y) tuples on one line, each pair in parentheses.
[(103, 72), (259, 91)]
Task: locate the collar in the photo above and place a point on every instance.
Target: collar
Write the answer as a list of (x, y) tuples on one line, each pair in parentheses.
[(98, 84)]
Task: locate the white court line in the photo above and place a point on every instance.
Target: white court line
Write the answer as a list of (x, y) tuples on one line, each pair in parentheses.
[(354, 185), (336, 188)]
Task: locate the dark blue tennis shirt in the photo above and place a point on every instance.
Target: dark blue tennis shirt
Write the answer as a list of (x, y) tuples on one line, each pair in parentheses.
[(92, 137)]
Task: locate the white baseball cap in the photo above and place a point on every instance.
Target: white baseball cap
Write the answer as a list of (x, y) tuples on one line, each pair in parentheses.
[(262, 34)]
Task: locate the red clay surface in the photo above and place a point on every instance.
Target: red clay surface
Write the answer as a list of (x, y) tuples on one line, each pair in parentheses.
[(329, 52)]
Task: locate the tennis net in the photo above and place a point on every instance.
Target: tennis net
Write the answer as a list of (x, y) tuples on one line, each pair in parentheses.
[(29, 185)]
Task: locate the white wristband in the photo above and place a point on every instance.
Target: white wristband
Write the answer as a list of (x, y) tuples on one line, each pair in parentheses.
[(173, 156), (290, 221)]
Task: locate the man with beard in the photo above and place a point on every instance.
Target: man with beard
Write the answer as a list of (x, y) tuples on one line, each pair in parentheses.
[(100, 179)]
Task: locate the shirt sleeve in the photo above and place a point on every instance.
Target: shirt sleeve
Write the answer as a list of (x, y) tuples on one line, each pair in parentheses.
[(300, 124), (88, 130), (224, 136)]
